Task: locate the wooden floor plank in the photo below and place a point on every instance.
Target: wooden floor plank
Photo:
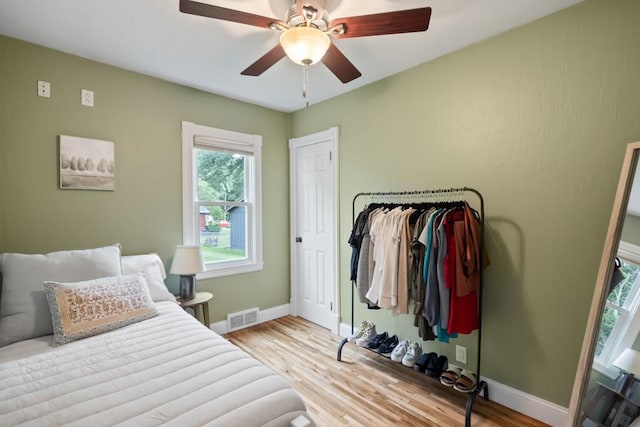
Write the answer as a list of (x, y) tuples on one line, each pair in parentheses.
[(365, 389)]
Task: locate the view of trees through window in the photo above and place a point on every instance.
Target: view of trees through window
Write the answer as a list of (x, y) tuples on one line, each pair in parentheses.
[(618, 307), (221, 189)]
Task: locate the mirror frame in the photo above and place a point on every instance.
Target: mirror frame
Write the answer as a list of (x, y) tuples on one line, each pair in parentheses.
[(605, 272)]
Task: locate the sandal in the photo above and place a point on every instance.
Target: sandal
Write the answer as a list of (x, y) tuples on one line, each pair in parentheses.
[(466, 382), (450, 376)]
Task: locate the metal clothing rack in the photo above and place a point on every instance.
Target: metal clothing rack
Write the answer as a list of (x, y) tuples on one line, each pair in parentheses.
[(439, 195)]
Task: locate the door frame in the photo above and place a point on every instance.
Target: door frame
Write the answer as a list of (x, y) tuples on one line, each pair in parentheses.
[(331, 135)]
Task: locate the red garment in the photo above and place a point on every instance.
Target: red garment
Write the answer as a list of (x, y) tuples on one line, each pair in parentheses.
[(463, 314), (463, 303)]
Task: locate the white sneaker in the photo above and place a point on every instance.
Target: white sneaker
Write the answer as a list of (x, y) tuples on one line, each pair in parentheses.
[(401, 349), (359, 332), (412, 355), (369, 334)]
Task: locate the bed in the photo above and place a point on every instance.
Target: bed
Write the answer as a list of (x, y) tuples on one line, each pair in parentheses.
[(167, 369)]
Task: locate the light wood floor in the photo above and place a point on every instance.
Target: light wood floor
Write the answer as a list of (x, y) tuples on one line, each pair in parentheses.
[(365, 389)]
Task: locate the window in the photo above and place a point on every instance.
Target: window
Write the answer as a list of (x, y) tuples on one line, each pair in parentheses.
[(621, 317), (221, 198)]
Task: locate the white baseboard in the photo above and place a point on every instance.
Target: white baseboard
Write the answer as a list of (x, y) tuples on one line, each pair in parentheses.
[(533, 406), (263, 316), (335, 324)]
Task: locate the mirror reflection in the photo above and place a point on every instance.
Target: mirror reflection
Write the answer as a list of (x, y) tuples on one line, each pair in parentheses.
[(612, 397)]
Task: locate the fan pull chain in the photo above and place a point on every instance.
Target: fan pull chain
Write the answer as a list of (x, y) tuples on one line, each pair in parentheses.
[(305, 84)]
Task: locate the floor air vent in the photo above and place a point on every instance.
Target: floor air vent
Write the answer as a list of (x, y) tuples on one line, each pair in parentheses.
[(242, 319)]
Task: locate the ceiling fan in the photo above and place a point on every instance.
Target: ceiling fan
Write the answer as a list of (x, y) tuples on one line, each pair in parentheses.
[(306, 30)]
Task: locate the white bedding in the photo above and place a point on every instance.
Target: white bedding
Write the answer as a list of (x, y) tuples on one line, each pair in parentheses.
[(167, 370)]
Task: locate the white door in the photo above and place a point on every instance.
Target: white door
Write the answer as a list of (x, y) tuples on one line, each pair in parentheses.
[(313, 228)]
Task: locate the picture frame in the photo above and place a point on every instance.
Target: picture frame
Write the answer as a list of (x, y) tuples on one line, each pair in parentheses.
[(86, 164)]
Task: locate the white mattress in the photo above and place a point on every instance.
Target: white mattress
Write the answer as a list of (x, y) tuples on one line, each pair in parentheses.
[(167, 370)]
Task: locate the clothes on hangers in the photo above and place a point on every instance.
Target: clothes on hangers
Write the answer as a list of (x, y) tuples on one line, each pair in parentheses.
[(384, 238), (428, 254), (361, 263), (405, 261), (418, 285)]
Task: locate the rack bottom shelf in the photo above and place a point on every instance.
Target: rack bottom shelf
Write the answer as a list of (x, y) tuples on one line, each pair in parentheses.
[(481, 387)]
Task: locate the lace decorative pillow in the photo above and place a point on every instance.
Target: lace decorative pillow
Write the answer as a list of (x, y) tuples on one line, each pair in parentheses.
[(83, 309)]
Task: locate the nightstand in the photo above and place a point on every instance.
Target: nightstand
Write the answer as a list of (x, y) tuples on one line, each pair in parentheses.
[(609, 408), (200, 301)]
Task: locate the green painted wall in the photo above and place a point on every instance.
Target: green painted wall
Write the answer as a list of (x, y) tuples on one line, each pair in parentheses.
[(142, 115), (537, 119)]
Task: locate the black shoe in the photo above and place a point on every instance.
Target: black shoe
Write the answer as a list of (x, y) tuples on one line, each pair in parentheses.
[(423, 361), (437, 366), (387, 347), (377, 341)]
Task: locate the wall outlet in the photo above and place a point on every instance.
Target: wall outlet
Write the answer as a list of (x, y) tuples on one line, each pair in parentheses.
[(461, 354), (87, 97), (44, 89)]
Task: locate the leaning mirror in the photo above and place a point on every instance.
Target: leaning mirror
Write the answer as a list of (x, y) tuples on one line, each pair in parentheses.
[(606, 391)]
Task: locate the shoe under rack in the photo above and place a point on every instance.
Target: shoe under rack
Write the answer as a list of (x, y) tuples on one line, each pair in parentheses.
[(453, 376), (480, 386)]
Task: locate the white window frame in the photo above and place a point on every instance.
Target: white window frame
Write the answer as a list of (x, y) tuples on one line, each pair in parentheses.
[(627, 327), (205, 136)]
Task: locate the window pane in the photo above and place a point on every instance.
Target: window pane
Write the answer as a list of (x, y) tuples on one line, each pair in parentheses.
[(224, 239), (618, 312), (609, 319), (221, 176)]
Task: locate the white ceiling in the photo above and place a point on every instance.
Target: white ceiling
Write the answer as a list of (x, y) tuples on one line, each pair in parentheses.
[(152, 37)]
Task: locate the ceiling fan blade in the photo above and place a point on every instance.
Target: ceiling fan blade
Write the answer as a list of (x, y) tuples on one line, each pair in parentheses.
[(339, 65), (401, 21), (265, 62), (217, 12)]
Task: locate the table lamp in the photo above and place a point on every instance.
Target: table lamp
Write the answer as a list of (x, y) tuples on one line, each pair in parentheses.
[(629, 363), (187, 261)]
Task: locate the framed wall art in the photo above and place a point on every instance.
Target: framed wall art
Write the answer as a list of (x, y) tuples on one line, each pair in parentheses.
[(86, 164)]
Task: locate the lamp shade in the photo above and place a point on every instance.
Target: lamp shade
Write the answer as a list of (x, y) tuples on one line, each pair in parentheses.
[(304, 45), (187, 260), (629, 361)]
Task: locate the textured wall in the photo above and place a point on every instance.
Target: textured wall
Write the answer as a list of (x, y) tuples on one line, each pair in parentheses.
[(537, 119), (142, 115)]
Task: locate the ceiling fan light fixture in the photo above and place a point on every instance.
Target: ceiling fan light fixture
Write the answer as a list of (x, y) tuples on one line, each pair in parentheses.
[(304, 45)]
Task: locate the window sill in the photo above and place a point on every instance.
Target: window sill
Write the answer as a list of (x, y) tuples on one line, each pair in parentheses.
[(608, 371), (229, 271)]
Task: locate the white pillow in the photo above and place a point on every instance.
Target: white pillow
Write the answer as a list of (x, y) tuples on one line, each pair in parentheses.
[(153, 268), (83, 309), (24, 312)]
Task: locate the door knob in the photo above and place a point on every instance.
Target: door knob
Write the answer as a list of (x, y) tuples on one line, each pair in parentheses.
[(298, 239)]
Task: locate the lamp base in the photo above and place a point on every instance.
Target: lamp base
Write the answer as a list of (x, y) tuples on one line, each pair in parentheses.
[(626, 383), (187, 287)]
